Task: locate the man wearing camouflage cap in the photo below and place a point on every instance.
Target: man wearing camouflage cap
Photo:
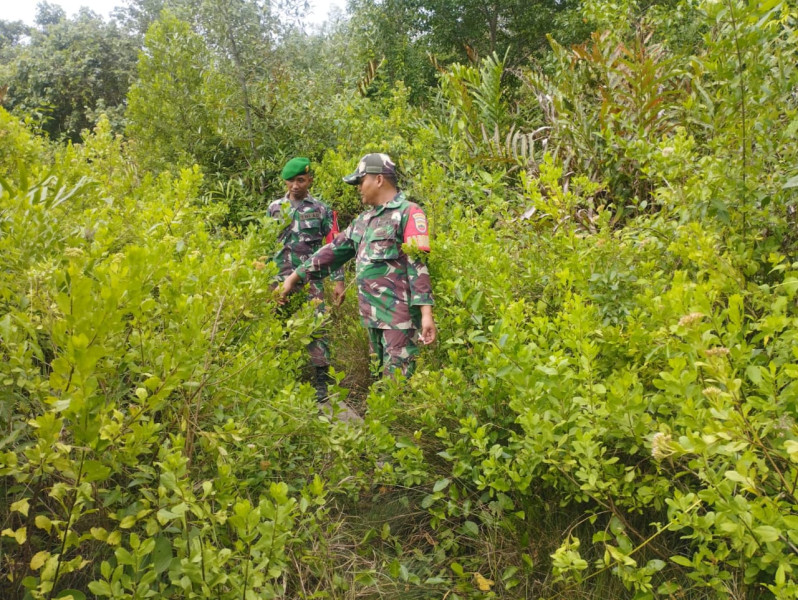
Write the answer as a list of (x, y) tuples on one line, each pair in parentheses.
[(394, 289), (310, 224)]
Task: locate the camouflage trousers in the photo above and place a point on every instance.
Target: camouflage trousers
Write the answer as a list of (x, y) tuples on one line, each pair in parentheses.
[(393, 350), (319, 347)]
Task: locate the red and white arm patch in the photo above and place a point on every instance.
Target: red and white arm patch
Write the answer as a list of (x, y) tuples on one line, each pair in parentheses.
[(417, 230), (334, 231)]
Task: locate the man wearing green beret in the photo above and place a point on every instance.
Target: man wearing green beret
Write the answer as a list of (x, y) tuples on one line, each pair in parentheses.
[(310, 224)]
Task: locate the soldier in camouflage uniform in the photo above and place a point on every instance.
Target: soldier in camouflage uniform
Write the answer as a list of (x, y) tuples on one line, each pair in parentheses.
[(310, 224), (394, 290)]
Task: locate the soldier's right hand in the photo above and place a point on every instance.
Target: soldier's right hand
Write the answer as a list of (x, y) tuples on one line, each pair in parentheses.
[(287, 286), (339, 293)]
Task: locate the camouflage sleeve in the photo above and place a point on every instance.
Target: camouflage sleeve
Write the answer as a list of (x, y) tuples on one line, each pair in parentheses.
[(420, 284), (329, 258), (329, 228), (415, 233)]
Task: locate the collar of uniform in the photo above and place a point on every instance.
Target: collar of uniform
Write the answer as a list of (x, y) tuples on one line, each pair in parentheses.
[(396, 202), (307, 198)]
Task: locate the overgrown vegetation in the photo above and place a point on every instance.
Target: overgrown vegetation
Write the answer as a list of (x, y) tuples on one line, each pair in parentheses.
[(610, 410)]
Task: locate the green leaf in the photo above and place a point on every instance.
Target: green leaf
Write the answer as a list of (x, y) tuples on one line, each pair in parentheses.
[(162, 554), (440, 485), (528, 561), (96, 471), (601, 536), (21, 506), (766, 533), (124, 557), (668, 588), (38, 560), (128, 521), (780, 575), (471, 528), (74, 594), (428, 500), (317, 486), (366, 579), (43, 522), (21, 534), (792, 182), (655, 564), (738, 478), (791, 446), (100, 588), (790, 285)]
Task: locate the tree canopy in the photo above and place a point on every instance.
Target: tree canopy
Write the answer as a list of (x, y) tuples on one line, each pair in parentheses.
[(67, 71)]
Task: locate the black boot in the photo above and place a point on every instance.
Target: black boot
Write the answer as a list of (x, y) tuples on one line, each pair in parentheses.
[(321, 380)]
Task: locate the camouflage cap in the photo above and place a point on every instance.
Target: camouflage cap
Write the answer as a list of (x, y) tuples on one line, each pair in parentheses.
[(295, 166), (371, 164)]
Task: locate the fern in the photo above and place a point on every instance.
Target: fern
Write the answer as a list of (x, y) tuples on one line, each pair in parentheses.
[(487, 92)]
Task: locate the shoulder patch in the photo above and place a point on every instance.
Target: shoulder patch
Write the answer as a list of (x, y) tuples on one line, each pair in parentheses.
[(420, 222), (416, 230)]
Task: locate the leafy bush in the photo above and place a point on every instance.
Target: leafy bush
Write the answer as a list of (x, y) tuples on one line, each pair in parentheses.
[(610, 410), (156, 437)]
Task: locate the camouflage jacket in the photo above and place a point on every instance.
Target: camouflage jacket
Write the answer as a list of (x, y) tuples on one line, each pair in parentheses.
[(391, 285), (310, 224)]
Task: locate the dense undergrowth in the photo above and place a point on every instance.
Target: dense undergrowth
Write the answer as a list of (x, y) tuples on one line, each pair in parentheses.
[(610, 410)]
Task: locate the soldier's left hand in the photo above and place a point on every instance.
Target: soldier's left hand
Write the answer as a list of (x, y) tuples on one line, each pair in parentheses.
[(428, 330)]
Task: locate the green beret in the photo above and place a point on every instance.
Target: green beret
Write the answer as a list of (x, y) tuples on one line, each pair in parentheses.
[(295, 166)]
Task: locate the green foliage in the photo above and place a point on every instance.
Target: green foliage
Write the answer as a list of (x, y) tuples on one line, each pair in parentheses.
[(69, 72), (608, 103), (215, 89), (172, 117), (610, 409), (480, 108), (404, 32), (150, 391), (619, 374), (575, 382), (387, 32)]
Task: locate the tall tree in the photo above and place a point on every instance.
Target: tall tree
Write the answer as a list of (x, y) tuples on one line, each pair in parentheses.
[(11, 35), (394, 30), (407, 32), (241, 32), (68, 70), (172, 120), (490, 26)]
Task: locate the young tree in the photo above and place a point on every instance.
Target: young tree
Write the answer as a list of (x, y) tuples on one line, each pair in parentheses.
[(172, 121)]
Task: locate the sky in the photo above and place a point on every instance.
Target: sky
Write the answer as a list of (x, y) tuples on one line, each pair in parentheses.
[(25, 10)]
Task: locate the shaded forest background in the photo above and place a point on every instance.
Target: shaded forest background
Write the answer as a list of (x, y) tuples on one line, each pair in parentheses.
[(610, 411)]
